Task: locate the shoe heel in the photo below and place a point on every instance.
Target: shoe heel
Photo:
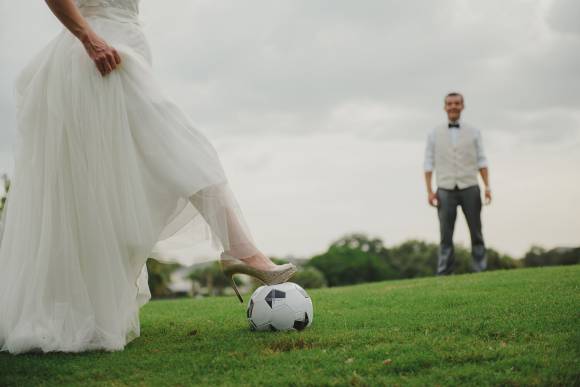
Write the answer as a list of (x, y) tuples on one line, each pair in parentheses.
[(236, 289)]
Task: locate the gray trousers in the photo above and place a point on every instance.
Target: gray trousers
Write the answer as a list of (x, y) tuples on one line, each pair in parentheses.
[(470, 201)]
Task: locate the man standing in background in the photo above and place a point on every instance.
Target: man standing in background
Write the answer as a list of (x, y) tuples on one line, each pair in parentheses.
[(455, 152)]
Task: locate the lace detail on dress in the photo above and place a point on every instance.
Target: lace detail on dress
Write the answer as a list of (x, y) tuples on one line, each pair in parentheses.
[(129, 5)]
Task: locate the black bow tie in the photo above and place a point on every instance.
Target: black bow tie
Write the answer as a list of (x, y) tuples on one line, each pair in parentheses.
[(450, 125)]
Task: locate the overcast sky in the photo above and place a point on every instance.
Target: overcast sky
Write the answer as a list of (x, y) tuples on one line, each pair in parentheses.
[(320, 109)]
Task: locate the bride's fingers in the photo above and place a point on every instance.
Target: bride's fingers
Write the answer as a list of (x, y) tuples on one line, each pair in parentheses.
[(105, 66), (108, 68), (112, 62), (100, 67), (117, 57)]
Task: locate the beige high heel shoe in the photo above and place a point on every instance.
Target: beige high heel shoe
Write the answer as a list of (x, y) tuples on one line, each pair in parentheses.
[(231, 266)]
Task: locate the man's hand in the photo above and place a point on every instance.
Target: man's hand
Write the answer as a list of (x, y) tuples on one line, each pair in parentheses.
[(485, 177), (433, 199), (487, 196)]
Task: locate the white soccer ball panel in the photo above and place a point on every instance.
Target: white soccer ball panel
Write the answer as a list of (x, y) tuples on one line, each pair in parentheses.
[(283, 318), (296, 300), (260, 292), (301, 290), (261, 312)]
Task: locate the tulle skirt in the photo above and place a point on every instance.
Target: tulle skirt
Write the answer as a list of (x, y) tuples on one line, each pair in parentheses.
[(108, 172)]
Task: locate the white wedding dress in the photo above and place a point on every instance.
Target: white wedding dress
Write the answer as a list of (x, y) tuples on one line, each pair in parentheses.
[(108, 172)]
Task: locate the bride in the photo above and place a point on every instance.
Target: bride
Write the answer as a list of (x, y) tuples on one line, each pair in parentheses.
[(108, 172)]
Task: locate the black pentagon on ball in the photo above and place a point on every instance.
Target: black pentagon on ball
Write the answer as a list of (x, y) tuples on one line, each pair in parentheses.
[(301, 324), (273, 294), (250, 309)]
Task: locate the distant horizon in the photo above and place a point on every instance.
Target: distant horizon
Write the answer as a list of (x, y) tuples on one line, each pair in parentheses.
[(320, 112), (388, 247)]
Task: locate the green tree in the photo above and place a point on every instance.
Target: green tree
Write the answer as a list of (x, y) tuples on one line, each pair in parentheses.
[(354, 259), (309, 277), (414, 258), (462, 260), (538, 256), (535, 256), (160, 277), (498, 261), (212, 277)]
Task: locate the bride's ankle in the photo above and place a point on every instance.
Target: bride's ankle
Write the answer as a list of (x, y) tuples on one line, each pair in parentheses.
[(259, 259), (254, 256)]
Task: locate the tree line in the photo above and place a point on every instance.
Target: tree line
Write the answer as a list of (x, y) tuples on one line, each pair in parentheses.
[(357, 258)]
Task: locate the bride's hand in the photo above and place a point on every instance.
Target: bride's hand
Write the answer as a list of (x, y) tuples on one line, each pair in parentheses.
[(106, 58)]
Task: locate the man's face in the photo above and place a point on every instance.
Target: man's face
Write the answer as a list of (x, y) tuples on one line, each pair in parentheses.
[(453, 107)]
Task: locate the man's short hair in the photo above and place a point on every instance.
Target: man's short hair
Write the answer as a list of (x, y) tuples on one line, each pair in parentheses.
[(453, 94)]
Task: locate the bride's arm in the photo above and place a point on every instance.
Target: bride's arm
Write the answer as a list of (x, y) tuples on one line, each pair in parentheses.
[(105, 57)]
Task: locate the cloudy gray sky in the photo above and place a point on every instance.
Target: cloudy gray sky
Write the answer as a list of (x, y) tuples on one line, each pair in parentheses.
[(320, 109)]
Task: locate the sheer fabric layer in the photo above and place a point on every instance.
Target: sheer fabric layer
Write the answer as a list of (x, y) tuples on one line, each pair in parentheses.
[(108, 172)]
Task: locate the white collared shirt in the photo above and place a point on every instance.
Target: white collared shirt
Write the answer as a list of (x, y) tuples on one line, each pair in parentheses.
[(429, 164)]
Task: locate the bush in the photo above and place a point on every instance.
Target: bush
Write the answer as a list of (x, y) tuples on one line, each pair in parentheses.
[(414, 259), (212, 277), (309, 278), (354, 259), (159, 277), (497, 261), (538, 256)]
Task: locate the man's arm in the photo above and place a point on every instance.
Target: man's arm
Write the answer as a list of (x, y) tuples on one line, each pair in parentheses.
[(484, 172), (431, 196), (428, 167), (483, 168)]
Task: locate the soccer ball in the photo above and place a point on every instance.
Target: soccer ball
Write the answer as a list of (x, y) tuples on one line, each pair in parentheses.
[(279, 307)]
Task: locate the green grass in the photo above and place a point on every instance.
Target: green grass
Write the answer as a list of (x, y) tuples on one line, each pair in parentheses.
[(519, 327)]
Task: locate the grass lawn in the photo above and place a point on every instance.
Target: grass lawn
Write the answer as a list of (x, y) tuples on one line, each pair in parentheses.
[(518, 327)]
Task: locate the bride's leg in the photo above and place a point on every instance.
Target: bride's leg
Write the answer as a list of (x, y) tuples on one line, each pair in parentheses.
[(222, 213)]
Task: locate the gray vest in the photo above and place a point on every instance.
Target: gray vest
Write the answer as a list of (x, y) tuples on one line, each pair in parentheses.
[(455, 165)]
